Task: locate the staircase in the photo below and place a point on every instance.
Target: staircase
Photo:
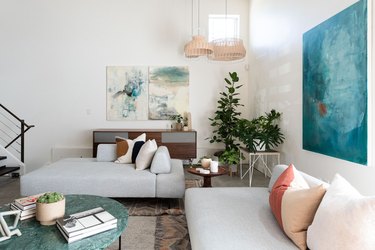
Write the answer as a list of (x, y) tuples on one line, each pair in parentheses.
[(12, 142), (4, 169)]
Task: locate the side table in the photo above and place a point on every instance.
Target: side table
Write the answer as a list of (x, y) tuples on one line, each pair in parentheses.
[(38, 237), (207, 177), (260, 156)]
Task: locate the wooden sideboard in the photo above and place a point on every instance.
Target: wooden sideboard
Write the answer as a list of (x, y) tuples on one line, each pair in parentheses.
[(181, 144)]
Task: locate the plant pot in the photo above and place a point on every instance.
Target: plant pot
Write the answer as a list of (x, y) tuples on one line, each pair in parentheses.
[(179, 126), (258, 148), (48, 213)]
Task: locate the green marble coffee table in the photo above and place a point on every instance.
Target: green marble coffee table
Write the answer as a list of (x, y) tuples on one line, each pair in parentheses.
[(36, 236)]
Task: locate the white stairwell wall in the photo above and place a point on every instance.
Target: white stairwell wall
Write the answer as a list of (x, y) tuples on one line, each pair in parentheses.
[(12, 161)]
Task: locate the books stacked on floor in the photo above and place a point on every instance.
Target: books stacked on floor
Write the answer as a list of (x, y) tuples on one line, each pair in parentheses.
[(26, 205), (87, 223)]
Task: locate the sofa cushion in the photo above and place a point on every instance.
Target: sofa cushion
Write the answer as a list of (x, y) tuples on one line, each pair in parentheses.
[(161, 163), (106, 152), (294, 204), (127, 158), (290, 178), (145, 155), (344, 219), (276, 172), (298, 208)]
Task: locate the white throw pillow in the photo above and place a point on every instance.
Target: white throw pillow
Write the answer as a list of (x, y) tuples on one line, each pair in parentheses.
[(127, 158), (344, 219), (145, 155), (161, 163), (106, 152)]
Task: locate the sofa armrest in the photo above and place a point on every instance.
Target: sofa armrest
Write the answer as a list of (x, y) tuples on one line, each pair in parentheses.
[(171, 185)]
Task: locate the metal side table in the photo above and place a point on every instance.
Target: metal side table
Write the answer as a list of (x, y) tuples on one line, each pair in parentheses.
[(260, 156)]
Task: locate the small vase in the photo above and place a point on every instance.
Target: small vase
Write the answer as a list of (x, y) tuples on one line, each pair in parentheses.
[(179, 126), (205, 162), (48, 213)]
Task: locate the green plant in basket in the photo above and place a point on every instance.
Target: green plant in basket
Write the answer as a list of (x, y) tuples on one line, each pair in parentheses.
[(50, 197)]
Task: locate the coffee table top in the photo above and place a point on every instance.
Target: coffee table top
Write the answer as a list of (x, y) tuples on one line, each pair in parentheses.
[(36, 236), (222, 171)]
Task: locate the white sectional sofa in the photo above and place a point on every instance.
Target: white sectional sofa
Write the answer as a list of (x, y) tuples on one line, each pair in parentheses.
[(101, 176), (236, 218)]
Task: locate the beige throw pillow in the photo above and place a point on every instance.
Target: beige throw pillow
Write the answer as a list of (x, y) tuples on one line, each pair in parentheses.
[(145, 155), (298, 209)]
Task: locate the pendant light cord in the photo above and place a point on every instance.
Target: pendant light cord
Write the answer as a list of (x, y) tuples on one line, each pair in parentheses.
[(192, 17), (199, 26)]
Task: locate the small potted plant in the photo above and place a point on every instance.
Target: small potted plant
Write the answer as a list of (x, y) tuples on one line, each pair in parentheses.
[(231, 157), (178, 118), (50, 207)]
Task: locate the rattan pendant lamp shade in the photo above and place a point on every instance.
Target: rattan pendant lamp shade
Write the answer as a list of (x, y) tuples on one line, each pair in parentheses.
[(198, 46), (228, 48)]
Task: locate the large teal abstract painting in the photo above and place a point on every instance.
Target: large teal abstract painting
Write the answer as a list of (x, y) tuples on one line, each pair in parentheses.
[(335, 86)]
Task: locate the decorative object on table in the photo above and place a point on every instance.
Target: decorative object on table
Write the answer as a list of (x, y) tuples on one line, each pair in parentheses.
[(168, 92), (335, 86), (127, 93), (87, 223), (225, 120), (8, 231), (49, 207), (261, 133), (214, 166), (198, 46), (205, 162), (186, 123), (178, 121)]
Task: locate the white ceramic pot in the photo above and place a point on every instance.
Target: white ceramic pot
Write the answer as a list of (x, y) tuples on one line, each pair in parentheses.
[(214, 166), (48, 213), (205, 162)]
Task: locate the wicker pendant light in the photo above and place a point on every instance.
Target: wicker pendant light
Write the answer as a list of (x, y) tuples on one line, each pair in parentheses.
[(198, 46), (227, 49)]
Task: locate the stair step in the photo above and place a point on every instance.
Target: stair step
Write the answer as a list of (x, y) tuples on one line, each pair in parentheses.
[(2, 158), (6, 170)]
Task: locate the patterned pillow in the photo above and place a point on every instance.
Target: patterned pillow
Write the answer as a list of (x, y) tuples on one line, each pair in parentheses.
[(122, 146), (127, 157), (294, 204), (136, 148)]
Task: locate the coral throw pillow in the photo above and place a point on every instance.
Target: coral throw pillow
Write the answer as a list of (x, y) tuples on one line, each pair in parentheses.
[(294, 204)]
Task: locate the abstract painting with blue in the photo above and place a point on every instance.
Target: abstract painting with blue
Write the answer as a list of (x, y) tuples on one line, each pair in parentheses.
[(127, 93), (335, 86)]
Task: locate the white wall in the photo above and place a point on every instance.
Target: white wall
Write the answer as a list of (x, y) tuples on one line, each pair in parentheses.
[(54, 54), (276, 29)]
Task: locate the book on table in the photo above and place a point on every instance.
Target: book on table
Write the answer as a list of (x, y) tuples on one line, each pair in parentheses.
[(87, 223), (25, 214), (26, 203)]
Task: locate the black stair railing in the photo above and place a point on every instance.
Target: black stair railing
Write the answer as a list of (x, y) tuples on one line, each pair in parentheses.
[(12, 131)]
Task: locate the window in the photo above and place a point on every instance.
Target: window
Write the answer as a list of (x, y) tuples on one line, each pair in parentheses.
[(221, 26)]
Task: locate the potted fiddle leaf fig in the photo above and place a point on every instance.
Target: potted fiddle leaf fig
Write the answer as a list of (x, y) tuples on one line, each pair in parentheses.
[(225, 119), (50, 207)]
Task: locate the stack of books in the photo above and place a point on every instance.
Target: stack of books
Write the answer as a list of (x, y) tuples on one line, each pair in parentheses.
[(84, 224), (26, 205)]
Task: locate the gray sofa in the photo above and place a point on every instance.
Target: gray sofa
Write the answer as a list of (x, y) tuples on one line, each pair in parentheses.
[(104, 178), (236, 218)]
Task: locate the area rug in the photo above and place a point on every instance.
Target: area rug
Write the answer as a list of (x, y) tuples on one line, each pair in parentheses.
[(171, 230)]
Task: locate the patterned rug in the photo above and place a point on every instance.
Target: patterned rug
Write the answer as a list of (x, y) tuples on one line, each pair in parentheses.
[(171, 230)]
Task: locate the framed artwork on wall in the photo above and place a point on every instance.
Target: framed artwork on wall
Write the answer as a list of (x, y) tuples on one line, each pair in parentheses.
[(168, 92), (127, 93), (335, 86)]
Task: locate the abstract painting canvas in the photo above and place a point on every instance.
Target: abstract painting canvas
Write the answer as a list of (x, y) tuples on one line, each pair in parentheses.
[(127, 93), (168, 92), (335, 86)]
